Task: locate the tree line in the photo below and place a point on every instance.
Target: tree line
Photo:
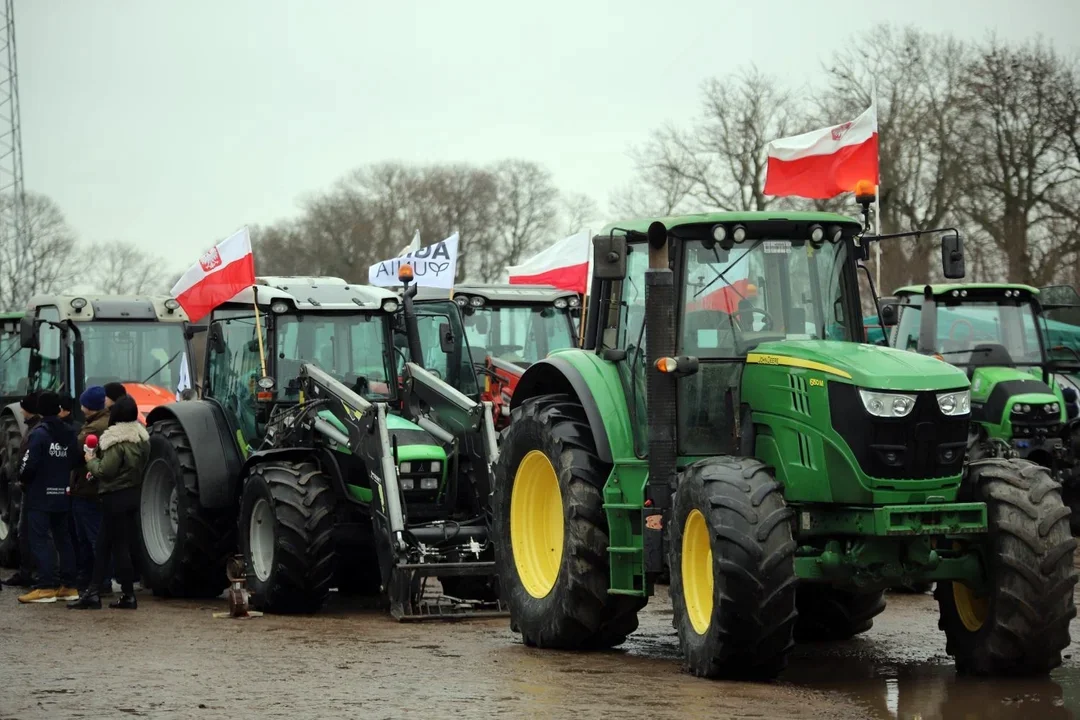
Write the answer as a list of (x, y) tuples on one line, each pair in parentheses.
[(983, 136), (980, 135), (48, 257)]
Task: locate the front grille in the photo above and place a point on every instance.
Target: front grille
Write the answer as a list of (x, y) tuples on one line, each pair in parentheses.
[(924, 445)]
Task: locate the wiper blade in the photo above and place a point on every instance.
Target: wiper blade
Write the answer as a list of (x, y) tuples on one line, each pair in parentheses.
[(167, 364)]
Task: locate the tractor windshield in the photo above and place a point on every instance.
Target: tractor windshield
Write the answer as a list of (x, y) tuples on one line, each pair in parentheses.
[(984, 332), (133, 352), (759, 291), (521, 334), (352, 347)]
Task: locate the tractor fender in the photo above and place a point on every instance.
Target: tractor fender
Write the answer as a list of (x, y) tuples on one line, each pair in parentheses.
[(213, 447), (15, 411), (557, 375)]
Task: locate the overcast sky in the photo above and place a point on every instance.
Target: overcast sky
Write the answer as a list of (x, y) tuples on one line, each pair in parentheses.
[(172, 124)]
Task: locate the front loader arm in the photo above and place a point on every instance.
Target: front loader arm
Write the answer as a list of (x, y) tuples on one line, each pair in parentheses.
[(449, 414)]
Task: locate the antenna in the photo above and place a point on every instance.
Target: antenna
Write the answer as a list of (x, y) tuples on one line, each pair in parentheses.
[(13, 226)]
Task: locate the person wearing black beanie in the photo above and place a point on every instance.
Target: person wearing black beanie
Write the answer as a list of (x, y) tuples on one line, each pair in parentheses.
[(25, 575), (45, 472), (113, 392)]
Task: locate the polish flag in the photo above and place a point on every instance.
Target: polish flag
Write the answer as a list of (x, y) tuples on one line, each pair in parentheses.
[(824, 163), (220, 274), (564, 265)]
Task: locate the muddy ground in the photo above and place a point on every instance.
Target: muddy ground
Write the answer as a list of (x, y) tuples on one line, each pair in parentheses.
[(173, 659)]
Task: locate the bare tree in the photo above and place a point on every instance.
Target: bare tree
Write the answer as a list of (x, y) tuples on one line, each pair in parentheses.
[(919, 78), (119, 268), (1020, 142), (720, 162), (43, 260), (525, 216), (575, 211)]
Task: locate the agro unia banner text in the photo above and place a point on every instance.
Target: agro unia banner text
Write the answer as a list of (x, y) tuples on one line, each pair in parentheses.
[(433, 266)]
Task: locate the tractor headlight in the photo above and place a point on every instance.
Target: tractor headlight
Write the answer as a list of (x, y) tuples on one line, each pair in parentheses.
[(1052, 408), (574, 301), (955, 403), (390, 306), (407, 483), (429, 483), (887, 405), (436, 466), (560, 303), (462, 300), (279, 307), (406, 467)]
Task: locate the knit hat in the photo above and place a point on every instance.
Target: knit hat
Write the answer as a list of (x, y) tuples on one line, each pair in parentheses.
[(93, 398), (114, 391), (66, 403), (48, 404), (30, 403)]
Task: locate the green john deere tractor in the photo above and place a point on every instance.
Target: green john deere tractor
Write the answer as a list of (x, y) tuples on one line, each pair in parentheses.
[(999, 335), (784, 471), (328, 467)]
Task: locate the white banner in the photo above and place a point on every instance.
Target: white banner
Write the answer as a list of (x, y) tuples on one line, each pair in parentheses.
[(433, 266)]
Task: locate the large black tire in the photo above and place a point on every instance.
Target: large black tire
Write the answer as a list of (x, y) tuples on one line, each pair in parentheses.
[(205, 539), (10, 440), (1029, 561), (826, 613), (577, 613), (298, 502), (734, 509)]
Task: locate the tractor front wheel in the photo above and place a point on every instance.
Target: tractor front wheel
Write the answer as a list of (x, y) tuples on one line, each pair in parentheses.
[(551, 534), (286, 533), (732, 569), (10, 440), (1021, 624), (182, 545)]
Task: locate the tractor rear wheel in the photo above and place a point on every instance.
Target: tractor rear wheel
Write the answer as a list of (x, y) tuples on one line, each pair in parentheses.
[(731, 555), (551, 534), (826, 613), (10, 440), (183, 546), (287, 536), (1021, 625)]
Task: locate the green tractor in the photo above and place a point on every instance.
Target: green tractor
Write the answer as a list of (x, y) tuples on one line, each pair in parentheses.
[(784, 471), (320, 465), (1000, 336)]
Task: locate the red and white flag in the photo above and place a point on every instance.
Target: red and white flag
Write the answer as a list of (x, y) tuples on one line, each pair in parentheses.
[(220, 274), (564, 265), (824, 163)]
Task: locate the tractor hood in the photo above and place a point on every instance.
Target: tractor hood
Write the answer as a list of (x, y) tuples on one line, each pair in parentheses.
[(867, 366), (148, 397), (985, 379)]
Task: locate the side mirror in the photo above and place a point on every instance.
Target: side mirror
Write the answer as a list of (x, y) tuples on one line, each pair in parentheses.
[(952, 256), (191, 331), (609, 257), (888, 315), (446, 338), (28, 336)]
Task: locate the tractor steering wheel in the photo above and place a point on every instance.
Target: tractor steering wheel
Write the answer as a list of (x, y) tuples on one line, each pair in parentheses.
[(768, 321), (961, 321)]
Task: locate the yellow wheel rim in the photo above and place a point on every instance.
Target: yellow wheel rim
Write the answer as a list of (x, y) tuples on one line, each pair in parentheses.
[(697, 572), (970, 608), (536, 524)]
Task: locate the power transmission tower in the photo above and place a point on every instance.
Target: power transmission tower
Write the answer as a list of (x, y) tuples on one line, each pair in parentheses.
[(13, 225)]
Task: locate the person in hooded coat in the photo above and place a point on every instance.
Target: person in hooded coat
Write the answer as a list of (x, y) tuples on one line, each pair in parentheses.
[(116, 466), (45, 473)]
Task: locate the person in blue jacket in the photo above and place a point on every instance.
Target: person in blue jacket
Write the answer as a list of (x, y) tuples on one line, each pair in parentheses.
[(45, 473)]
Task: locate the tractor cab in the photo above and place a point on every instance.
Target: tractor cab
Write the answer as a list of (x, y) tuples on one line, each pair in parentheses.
[(997, 334), (508, 328), (14, 360)]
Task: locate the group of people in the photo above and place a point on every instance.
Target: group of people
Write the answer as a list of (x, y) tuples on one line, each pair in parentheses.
[(79, 501)]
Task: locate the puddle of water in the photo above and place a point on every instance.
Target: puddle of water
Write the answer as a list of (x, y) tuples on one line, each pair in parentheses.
[(931, 689)]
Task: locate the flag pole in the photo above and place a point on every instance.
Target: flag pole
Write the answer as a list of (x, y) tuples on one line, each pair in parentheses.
[(258, 329), (585, 295), (877, 195)]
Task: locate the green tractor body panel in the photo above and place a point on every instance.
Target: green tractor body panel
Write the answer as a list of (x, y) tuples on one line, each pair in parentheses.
[(788, 387)]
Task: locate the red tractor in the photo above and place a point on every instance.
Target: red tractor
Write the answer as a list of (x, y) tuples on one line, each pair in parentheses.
[(508, 328)]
